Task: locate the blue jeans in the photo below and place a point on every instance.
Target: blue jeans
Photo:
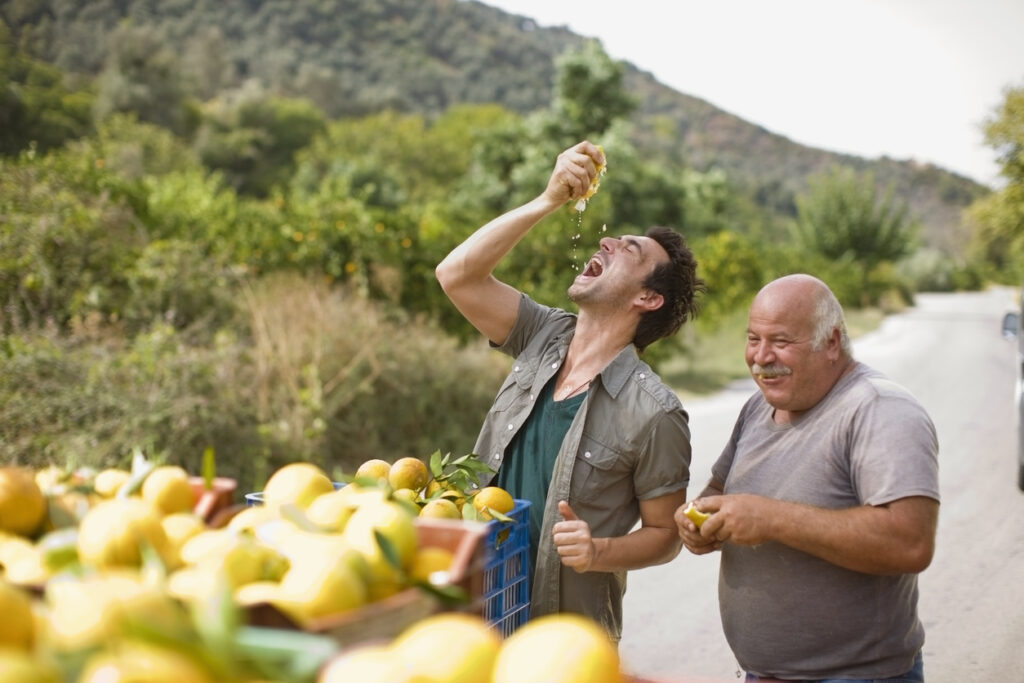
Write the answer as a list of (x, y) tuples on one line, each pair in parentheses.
[(915, 675)]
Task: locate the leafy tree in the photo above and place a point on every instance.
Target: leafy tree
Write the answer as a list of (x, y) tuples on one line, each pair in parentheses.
[(1004, 132), (589, 95), (842, 216), (254, 143), (143, 75), (36, 108), (998, 219)]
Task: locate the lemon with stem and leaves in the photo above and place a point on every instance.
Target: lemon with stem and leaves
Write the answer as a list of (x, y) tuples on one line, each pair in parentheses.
[(493, 502), (408, 473), (455, 477)]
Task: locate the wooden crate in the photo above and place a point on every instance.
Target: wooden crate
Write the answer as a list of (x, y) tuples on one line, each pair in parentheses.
[(385, 619)]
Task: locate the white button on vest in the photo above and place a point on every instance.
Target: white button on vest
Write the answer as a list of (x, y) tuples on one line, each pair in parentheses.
[(586, 454), (511, 427)]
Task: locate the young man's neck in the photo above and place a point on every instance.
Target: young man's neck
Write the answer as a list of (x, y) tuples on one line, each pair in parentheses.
[(596, 342)]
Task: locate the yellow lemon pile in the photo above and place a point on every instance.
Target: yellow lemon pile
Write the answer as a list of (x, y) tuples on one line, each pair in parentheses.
[(463, 648), (441, 491)]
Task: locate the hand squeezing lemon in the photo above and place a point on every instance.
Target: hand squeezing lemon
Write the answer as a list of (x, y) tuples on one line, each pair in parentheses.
[(695, 515), (602, 167)]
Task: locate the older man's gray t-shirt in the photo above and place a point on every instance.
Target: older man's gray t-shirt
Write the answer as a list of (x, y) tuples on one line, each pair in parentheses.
[(786, 613)]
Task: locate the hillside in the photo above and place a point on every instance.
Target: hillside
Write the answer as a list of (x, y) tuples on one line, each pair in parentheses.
[(352, 57)]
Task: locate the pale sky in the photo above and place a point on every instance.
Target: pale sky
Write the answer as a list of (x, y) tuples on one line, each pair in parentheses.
[(909, 79)]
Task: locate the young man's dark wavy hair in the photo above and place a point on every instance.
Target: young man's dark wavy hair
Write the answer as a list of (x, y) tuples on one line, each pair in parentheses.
[(677, 282)]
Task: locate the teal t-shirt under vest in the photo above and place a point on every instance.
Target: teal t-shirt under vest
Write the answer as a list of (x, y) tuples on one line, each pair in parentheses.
[(530, 457)]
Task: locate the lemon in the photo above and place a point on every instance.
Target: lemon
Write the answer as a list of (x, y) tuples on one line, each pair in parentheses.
[(16, 626), (393, 522), (249, 561), (389, 519), (408, 473), (14, 548), (601, 167), (193, 583), (113, 532), (568, 648), (331, 511), (695, 515), (450, 647), (360, 495), (67, 509), (239, 558), (446, 490), (251, 518), (167, 489), (179, 528), (493, 498), (27, 568), (108, 481), (407, 495), (51, 479), (207, 543), (19, 667), (429, 562), (22, 504), (298, 483), (441, 508), (366, 663), (91, 610), (257, 592), (374, 469), (134, 661), (322, 585)]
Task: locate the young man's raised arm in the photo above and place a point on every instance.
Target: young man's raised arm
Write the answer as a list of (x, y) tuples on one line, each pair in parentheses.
[(466, 274)]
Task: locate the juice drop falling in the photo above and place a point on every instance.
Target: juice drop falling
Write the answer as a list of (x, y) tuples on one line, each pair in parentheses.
[(576, 243)]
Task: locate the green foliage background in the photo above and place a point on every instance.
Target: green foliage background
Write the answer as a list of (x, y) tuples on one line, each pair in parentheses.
[(211, 241)]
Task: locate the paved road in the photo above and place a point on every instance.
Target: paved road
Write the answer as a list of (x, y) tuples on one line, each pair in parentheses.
[(948, 351)]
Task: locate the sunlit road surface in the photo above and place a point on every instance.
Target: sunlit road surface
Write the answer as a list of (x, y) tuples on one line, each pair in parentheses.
[(948, 351)]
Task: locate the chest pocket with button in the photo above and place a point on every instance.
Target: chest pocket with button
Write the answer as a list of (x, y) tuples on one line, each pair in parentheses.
[(598, 470), (517, 384)]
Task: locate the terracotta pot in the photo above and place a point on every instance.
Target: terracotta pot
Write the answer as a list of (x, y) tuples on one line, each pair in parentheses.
[(220, 495)]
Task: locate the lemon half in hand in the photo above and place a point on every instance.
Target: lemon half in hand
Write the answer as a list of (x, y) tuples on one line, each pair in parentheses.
[(695, 515)]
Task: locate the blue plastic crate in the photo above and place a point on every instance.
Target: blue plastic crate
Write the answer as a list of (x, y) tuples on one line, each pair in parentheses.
[(506, 582)]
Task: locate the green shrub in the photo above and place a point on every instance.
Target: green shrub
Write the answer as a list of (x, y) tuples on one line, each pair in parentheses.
[(312, 373)]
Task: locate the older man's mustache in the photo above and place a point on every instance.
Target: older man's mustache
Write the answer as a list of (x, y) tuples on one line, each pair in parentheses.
[(769, 371)]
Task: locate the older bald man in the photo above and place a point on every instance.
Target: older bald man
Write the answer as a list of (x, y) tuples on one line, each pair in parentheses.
[(824, 503)]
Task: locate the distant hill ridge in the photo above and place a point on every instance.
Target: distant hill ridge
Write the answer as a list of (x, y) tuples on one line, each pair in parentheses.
[(353, 57)]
